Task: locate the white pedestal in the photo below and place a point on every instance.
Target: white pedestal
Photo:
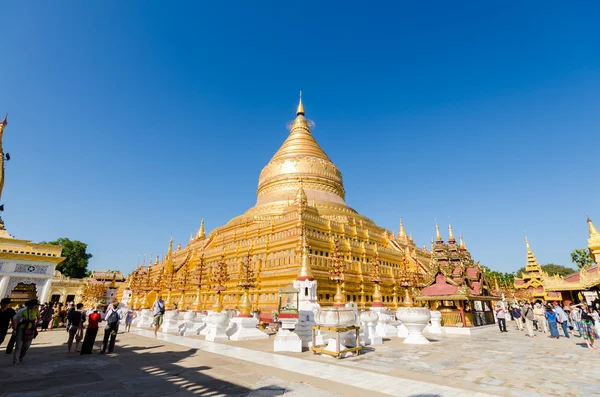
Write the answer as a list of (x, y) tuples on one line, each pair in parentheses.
[(436, 323), (146, 319), (384, 326), (368, 322), (246, 329), (217, 327), (402, 330), (170, 321), (415, 319), (287, 341), (190, 324)]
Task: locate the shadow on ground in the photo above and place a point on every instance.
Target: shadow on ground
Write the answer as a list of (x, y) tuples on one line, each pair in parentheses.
[(48, 370)]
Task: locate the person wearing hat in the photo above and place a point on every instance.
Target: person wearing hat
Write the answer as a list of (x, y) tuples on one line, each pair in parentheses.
[(6, 318), (26, 330), (113, 318)]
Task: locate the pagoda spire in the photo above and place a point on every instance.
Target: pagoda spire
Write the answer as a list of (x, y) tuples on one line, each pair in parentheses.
[(461, 243), (3, 124), (591, 228), (451, 238), (201, 234), (438, 236), (300, 109), (532, 264), (305, 272), (301, 198), (401, 231), (170, 251)]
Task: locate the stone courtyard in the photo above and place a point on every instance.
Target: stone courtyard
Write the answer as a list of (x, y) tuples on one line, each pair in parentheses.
[(485, 364)]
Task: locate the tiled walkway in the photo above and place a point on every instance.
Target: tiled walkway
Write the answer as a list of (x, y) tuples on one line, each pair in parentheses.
[(370, 381)]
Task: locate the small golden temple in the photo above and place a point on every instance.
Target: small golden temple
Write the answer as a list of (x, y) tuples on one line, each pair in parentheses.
[(531, 285), (300, 228)]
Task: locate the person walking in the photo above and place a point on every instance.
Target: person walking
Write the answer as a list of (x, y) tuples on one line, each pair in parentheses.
[(540, 316), (92, 330), (113, 318), (7, 315), (26, 330), (129, 319), (562, 318), (529, 317), (70, 311), (515, 313), (501, 316), (551, 317), (586, 326), (575, 317), (158, 311), (47, 316), (75, 327)]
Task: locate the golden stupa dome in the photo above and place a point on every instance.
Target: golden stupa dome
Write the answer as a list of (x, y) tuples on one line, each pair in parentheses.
[(300, 162)]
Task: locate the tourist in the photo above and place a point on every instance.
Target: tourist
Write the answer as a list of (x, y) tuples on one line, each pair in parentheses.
[(92, 330), (158, 311), (575, 317), (13, 338), (596, 318), (515, 313), (113, 317), (75, 327), (562, 318), (47, 314), (7, 315), (26, 330), (501, 316), (129, 319), (551, 318), (540, 317), (529, 318), (70, 311), (586, 326)]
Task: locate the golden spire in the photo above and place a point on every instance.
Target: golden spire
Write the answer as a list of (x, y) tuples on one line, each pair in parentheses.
[(3, 124), (201, 234), (305, 273), (527, 244), (191, 236), (450, 234), (591, 228), (461, 243), (532, 264), (156, 261), (170, 251), (178, 246), (300, 109), (438, 236), (401, 231), (301, 198)]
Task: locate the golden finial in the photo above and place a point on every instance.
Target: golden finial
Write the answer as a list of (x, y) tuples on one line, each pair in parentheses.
[(451, 235), (591, 228), (170, 251), (461, 243), (3, 124), (201, 234), (301, 198), (410, 237), (156, 261), (401, 231), (178, 246), (527, 244), (300, 109), (191, 236), (305, 272), (438, 236)]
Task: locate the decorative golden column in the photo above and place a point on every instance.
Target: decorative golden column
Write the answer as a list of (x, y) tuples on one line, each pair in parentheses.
[(407, 281), (198, 276), (183, 280), (375, 279), (246, 281), (336, 273), (220, 276)]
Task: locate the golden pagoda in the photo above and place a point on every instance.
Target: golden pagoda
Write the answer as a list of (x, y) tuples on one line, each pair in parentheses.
[(300, 224), (531, 284)]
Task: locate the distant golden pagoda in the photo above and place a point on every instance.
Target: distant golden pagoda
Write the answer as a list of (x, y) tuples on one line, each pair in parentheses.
[(299, 228), (531, 285)]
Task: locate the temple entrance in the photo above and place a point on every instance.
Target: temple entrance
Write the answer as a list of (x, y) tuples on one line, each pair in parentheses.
[(22, 293), (55, 298), (70, 298)]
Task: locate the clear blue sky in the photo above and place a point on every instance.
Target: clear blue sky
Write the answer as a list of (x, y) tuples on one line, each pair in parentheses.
[(130, 121)]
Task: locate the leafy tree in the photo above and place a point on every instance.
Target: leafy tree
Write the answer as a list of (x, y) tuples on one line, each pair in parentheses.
[(551, 269), (504, 279), (582, 258), (77, 257)]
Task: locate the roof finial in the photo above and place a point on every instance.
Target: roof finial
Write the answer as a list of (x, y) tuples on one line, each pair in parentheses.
[(201, 233), (170, 247), (300, 109), (305, 272), (438, 236), (527, 244), (591, 228), (401, 231), (450, 234), (461, 243)]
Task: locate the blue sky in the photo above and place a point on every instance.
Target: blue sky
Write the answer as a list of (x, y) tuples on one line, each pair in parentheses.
[(131, 121)]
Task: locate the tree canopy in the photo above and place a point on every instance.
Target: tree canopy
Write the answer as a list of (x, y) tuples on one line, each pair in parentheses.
[(77, 257), (551, 269), (582, 258), (504, 279)]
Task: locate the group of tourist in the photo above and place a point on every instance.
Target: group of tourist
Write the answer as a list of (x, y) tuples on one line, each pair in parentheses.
[(81, 325), (548, 318)]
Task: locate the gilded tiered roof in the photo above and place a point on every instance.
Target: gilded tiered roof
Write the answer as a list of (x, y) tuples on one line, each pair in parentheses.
[(532, 281)]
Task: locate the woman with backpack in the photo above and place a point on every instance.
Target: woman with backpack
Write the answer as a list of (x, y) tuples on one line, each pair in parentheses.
[(113, 318), (27, 320)]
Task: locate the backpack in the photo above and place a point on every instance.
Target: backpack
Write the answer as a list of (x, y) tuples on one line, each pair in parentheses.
[(113, 318)]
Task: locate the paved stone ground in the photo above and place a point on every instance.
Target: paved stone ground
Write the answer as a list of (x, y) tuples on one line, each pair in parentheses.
[(506, 364), (144, 366)]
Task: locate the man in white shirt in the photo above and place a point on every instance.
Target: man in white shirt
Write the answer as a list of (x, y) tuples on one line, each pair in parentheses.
[(561, 318), (158, 311), (113, 318)]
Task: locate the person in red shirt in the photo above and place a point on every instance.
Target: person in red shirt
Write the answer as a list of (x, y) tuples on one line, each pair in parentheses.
[(92, 330)]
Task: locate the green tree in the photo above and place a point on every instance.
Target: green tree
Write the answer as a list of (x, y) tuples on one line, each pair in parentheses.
[(551, 269), (77, 257), (504, 279), (582, 258)]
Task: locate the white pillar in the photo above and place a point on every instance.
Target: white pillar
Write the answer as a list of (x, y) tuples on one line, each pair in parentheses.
[(3, 286), (45, 291)]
